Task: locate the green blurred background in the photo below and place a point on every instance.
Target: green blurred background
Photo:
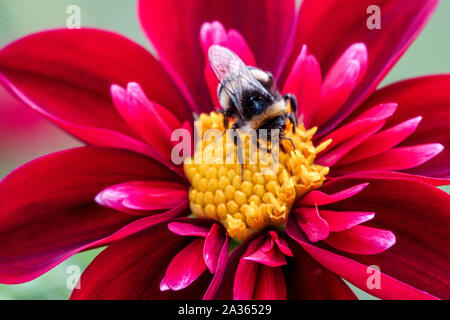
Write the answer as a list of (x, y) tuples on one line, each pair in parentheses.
[(429, 54)]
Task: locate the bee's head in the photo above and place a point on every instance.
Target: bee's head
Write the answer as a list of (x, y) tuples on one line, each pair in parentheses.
[(274, 123)]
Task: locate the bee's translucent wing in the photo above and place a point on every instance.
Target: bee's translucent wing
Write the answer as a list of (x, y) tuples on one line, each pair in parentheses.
[(233, 74), (224, 62)]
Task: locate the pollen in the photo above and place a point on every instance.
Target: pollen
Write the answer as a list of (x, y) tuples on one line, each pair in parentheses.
[(258, 192)]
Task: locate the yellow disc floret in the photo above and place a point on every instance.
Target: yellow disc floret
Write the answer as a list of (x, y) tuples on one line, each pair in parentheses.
[(247, 198)]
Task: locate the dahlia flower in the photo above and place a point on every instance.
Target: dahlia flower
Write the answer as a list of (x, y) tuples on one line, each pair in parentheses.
[(356, 193)]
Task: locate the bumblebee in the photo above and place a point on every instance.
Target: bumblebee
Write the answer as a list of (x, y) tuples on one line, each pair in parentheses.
[(249, 96)]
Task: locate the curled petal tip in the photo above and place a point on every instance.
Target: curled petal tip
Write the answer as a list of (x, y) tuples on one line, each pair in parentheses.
[(352, 71), (211, 33), (116, 89), (163, 285), (417, 119), (358, 51), (108, 197), (304, 51), (134, 87)]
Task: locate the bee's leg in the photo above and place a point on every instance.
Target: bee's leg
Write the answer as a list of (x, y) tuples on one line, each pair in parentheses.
[(282, 148), (226, 122), (226, 119), (238, 144), (258, 145), (294, 107), (293, 100), (292, 142), (291, 117)]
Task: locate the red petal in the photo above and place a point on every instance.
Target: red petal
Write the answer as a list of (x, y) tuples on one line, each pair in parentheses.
[(319, 198), (24, 133), (355, 272), (220, 270), (281, 243), (383, 141), (245, 272), (141, 224), (419, 216), (245, 280), (343, 220), (177, 42), (67, 74), (142, 197), (395, 159), (270, 258), (190, 227), (428, 97), (134, 267), (331, 157), (270, 284), (341, 79), (406, 176), (310, 281), (305, 82), (215, 34), (343, 24), (213, 246), (50, 206), (93, 135), (121, 98), (271, 252), (311, 223), (225, 289), (149, 120), (377, 114), (186, 266), (362, 240)]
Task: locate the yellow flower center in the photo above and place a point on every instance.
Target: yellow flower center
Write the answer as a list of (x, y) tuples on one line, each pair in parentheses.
[(261, 195)]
